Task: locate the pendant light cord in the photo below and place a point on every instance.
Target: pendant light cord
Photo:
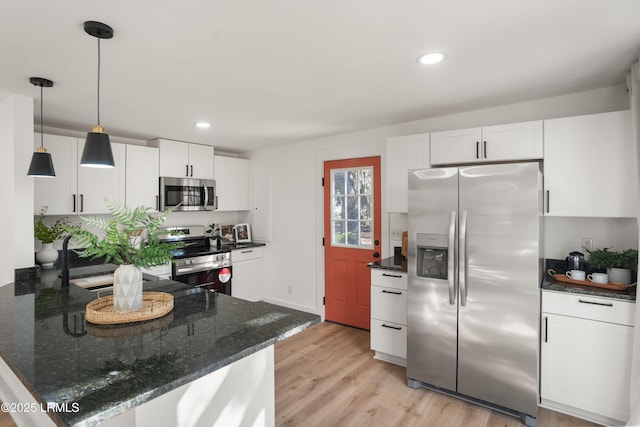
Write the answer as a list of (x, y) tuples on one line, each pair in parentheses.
[(41, 120), (98, 81)]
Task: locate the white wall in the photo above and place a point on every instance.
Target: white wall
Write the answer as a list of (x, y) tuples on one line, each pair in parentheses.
[(295, 257), (16, 215)]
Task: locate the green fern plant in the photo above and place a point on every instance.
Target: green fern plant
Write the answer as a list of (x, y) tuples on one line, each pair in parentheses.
[(130, 237)]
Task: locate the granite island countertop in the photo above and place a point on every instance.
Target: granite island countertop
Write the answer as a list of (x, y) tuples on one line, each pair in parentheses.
[(108, 370)]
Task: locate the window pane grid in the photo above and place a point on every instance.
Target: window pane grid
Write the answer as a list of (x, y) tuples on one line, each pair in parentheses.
[(352, 200)]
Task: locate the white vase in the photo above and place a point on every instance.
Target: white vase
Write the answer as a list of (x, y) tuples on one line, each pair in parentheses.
[(619, 275), (47, 255), (127, 288)]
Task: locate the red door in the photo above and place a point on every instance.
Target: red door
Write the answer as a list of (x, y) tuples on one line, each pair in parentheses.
[(352, 237)]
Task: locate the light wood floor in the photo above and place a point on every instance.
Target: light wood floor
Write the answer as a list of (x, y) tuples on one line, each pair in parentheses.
[(326, 376)]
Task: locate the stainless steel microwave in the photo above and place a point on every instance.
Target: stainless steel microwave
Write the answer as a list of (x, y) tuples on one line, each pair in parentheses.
[(188, 194)]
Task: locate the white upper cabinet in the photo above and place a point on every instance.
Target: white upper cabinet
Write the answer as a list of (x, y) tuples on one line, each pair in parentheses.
[(58, 194), (183, 159), (516, 141), (590, 166), (232, 183), (401, 154), (142, 176), (201, 161), (96, 185), (78, 189)]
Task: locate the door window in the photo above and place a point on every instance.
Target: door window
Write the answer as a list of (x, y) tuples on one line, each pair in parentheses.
[(351, 202)]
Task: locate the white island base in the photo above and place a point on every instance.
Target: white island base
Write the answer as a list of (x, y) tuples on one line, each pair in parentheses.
[(239, 394)]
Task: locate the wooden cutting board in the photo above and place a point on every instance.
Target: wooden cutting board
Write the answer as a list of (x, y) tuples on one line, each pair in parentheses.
[(615, 286)]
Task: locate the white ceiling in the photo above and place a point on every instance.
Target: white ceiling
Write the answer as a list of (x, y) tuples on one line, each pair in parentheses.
[(268, 72)]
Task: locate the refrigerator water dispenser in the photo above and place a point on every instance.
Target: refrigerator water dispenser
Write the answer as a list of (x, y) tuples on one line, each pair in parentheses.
[(433, 253)]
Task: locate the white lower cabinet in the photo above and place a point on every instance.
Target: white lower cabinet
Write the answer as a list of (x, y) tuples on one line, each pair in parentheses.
[(248, 273), (585, 364), (389, 315)]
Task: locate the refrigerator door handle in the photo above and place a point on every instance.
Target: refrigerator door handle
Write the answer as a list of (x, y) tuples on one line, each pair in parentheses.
[(451, 261), (462, 259)]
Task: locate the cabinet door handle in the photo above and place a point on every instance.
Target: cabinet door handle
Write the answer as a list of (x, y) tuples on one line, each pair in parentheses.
[(605, 304), (74, 203), (187, 170), (384, 291), (191, 170), (157, 203), (546, 329), (477, 149), (547, 201), (397, 328), (82, 203), (392, 275), (485, 149)]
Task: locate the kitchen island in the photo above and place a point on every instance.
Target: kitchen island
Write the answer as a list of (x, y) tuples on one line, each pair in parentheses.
[(209, 360)]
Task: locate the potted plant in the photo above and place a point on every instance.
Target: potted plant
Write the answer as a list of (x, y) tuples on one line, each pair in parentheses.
[(618, 264), (130, 240), (214, 235), (47, 234)]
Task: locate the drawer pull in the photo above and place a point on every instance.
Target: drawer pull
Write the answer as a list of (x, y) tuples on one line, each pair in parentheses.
[(397, 328), (392, 275), (246, 252), (606, 304), (384, 291)]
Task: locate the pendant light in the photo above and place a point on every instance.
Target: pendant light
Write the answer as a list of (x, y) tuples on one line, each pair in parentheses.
[(41, 163), (97, 148)]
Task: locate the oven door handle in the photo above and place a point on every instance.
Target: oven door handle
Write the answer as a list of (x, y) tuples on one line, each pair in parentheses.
[(195, 269)]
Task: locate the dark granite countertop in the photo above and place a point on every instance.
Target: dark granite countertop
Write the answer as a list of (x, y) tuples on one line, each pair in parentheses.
[(108, 370), (389, 264), (558, 266)]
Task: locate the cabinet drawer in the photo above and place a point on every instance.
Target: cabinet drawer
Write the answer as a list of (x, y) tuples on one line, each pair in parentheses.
[(238, 255), (388, 278), (589, 307), (389, 337), (389, 304)]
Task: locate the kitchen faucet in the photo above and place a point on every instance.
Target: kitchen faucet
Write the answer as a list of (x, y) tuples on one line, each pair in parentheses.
[(64, 271)]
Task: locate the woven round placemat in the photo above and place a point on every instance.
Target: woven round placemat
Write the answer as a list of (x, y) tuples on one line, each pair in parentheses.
[(154, 304)]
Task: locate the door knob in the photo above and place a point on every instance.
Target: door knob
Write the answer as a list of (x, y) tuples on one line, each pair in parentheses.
[(376, 242), (376, 254)]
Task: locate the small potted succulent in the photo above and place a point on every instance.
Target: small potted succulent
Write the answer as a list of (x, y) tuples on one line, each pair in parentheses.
[(47, 234), (214, 235), (618, 264)]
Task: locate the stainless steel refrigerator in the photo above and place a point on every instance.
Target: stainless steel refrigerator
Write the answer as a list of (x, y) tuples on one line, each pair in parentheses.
[(474, 269)]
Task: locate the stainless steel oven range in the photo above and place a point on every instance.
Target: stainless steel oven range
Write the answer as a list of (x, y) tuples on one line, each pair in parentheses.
[(196, 263)]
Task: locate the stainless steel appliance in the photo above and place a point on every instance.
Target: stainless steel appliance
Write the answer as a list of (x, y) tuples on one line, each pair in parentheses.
[(474, 269), (197, 263), (188, 194)]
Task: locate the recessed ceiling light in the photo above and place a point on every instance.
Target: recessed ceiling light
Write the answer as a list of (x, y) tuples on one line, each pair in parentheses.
[(430, 58), (203, 125)]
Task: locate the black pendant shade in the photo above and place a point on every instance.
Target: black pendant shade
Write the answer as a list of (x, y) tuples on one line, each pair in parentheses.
[(97, 151), (97, 148), (41, 163)]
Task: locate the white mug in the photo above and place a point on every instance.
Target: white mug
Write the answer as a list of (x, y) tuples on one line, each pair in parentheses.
[(598, 278), (575, 274)]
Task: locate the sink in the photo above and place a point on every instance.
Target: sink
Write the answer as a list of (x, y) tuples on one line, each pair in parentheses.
[(96, 283)]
